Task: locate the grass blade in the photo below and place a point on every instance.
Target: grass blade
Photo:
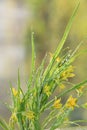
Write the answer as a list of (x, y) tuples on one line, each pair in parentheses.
[(33, 52), (18, 82), (33, 61), (67, 30), (4, 125)]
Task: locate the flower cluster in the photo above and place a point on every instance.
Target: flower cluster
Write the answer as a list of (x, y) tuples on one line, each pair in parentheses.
[(57, 104), (68, 73), (71, 102), (47, 90)]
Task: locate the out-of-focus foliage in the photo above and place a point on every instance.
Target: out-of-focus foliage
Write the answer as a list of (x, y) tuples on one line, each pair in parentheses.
[(50, 18)]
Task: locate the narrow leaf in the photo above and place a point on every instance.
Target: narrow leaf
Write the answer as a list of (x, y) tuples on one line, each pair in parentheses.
[(33, 52), (33, 61), (3, 124), (67, 30), (18, 81)]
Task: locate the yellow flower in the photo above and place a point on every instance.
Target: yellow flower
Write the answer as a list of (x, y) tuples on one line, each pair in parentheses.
[(62, 86), (15, 92), (71, 102), (57, 104), (47, 91), (13, 119), (58, 59), (30, 115), (68, 73)]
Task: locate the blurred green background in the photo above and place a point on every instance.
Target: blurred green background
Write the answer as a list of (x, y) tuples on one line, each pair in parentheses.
[(48, 19)]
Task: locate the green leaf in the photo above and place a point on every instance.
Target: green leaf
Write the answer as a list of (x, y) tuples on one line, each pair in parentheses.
[(60, 120), (33, 61), (3, 124), (84, 105), (18, 81), (67, 30), (33, 52)]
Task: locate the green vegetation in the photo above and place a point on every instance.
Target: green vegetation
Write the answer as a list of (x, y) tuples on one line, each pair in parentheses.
[(28, 107)]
